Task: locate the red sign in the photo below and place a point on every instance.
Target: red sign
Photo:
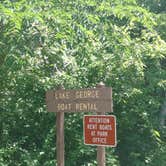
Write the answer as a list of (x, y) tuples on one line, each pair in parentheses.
[(100, 130)]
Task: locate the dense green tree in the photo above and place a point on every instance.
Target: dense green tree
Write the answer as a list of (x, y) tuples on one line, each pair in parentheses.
[(78, 44)]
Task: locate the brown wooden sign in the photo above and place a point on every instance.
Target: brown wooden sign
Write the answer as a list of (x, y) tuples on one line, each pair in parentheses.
[(83, 100)]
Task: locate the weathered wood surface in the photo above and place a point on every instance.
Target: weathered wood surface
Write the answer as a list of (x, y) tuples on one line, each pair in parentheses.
[(60, 138), (83, 100)]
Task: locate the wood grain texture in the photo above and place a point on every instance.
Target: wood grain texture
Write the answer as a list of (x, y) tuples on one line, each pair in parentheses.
[(60, 138), (83, 100)]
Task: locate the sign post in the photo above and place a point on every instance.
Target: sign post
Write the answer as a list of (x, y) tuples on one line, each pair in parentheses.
[(100, 154), (101, 149), (60, 138), (97, 100)]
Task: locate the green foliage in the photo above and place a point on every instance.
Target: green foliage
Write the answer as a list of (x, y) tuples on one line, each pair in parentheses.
[(78, 44), (156, 6)]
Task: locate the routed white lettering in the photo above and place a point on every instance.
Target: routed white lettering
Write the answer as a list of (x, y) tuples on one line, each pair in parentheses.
[(92, 126), (86, 107), (99, 140), (87, 94), (62, 95), (63, 107), (105, 127)]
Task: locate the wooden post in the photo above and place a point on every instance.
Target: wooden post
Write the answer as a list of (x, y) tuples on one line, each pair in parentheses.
[(60, 137), (101, 149), (101, 153)]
